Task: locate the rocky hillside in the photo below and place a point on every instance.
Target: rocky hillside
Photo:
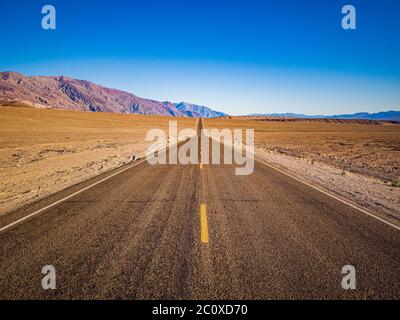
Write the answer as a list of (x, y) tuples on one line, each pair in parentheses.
[(67, 93)]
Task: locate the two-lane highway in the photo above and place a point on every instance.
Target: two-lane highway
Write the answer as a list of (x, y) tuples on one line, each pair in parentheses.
[(198, 232)]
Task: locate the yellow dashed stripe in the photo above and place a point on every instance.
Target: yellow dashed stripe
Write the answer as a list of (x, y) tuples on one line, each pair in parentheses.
[(203, 223)]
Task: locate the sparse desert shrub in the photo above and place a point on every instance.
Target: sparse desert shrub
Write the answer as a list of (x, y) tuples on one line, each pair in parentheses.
[(344, 173), (396, 183)]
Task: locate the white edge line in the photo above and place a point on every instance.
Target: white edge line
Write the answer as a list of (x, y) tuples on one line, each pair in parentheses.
[(68, 197), (330, 195), (6, 227), (321, 190)]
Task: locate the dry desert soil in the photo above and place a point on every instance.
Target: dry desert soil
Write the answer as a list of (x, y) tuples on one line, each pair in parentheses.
[(46, 150)]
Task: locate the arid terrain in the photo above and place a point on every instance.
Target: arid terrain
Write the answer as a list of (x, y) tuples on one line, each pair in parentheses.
[(357, 159), (45, 151), (200, 232)]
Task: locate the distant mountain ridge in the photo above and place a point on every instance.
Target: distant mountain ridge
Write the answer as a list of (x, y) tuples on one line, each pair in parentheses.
[(67, 93), (391, 115), (196, 111)]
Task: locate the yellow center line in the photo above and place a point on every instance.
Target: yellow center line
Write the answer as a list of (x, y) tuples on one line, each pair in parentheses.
[(203, 223)]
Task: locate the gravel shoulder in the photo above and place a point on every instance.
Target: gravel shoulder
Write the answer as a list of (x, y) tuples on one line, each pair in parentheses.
[(369, 192)]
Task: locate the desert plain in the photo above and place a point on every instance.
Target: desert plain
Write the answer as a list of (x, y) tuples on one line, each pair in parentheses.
[(358, 160), (47, 150), (44, 151)]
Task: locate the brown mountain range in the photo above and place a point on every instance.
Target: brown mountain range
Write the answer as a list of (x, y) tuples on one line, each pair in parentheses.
[(67, 93)]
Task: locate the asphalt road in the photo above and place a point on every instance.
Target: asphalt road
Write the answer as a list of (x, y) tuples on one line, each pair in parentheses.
[(197, 232)]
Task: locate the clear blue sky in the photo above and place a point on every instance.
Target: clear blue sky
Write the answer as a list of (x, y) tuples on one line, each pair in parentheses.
[(237, 56)]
